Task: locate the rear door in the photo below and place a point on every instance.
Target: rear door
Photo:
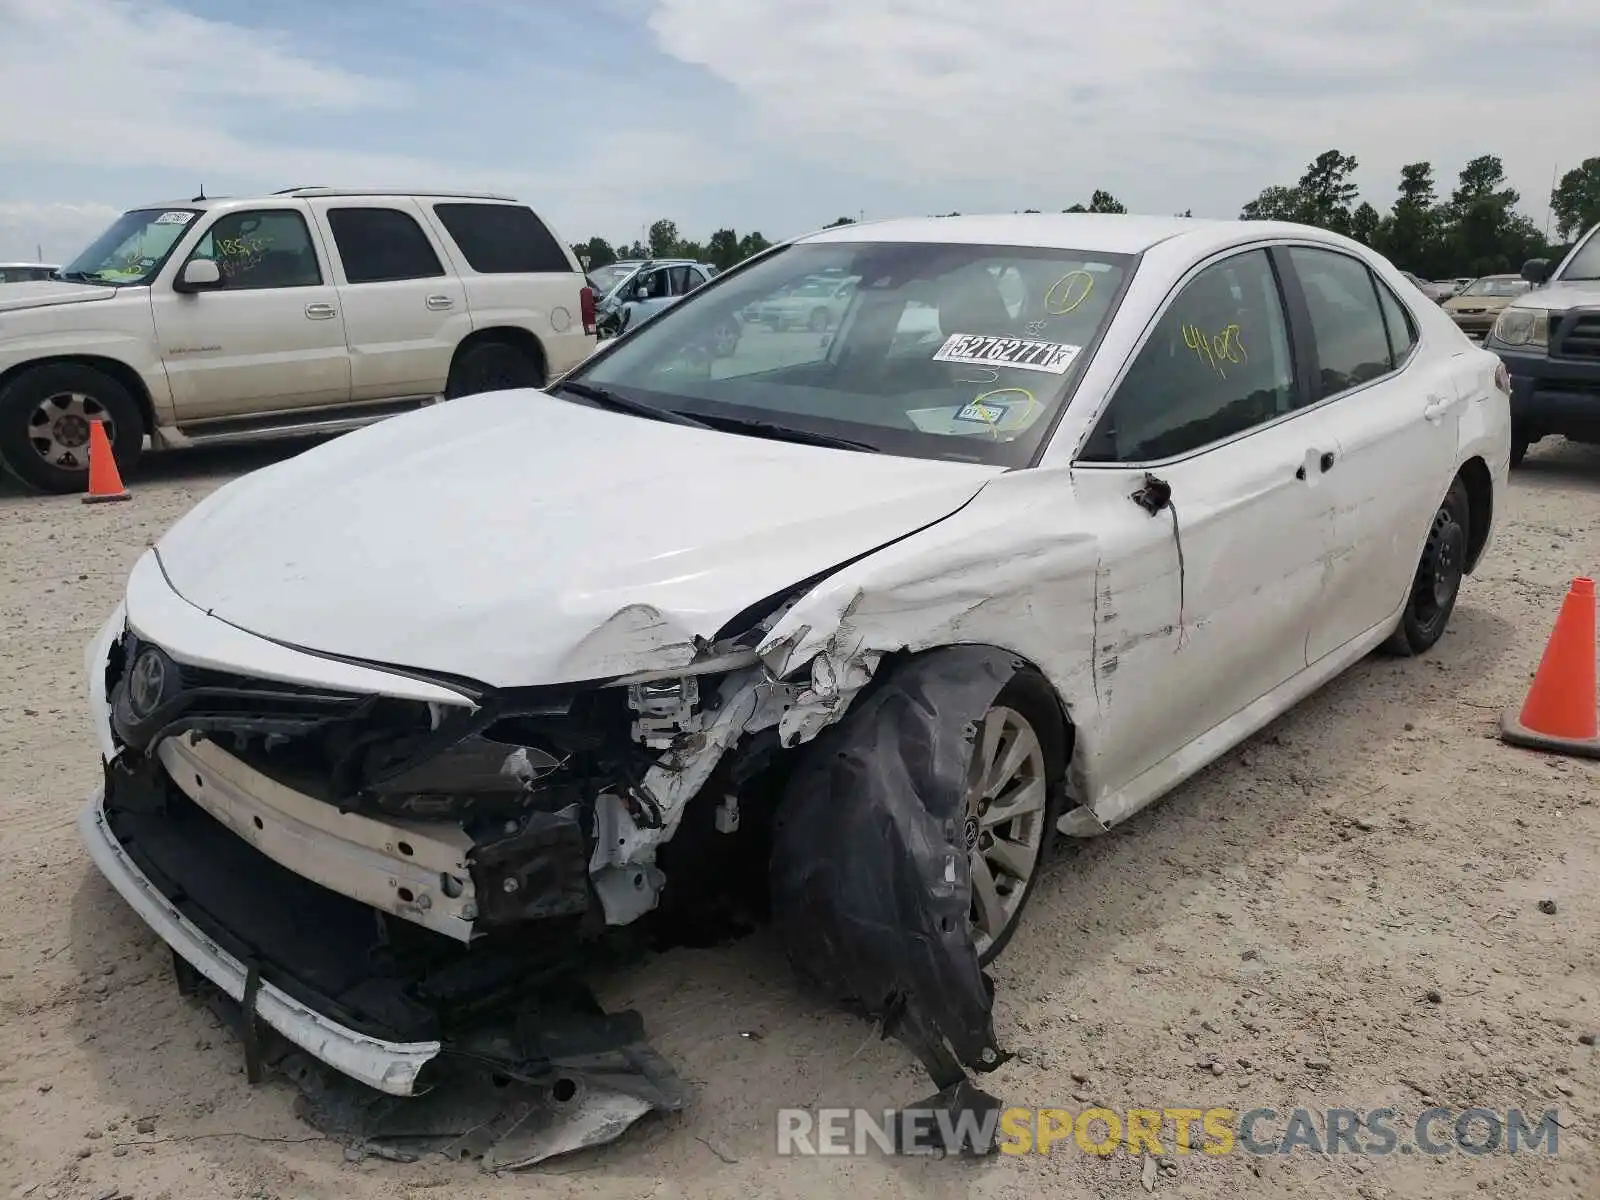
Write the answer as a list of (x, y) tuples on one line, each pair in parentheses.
[(271, 338), (404, 310), (1397, 415)]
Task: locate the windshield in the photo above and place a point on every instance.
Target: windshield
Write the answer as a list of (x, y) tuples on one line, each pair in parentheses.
[(133, 249), (1496, 287), (603, 279), (942, 351), (1585, 262)]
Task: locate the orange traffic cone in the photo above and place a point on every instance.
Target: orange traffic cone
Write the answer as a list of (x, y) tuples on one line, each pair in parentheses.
[(1560, 713), (105, 483)]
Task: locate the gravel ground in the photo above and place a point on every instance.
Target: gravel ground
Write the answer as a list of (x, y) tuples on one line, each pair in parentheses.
[(1284, 916)]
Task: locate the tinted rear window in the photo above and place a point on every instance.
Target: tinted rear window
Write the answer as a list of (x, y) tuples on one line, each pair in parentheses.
[(502, 239)]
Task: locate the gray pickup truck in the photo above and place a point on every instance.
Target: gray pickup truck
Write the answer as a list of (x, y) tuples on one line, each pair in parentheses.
[(1549, 340)]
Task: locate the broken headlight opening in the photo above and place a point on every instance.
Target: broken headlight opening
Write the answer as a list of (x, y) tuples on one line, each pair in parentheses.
[(424, 873)]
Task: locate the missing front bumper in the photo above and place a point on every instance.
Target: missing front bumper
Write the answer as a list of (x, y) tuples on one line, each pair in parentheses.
[(525, 1068), (388, 1066)]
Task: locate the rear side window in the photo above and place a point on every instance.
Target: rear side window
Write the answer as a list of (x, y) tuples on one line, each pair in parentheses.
[(503, 239), (379, 245), (1346, 318), (1402, 331)]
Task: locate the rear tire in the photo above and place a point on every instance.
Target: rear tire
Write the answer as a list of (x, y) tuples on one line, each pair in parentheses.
[(1437, 582), (44, 425), (1521, 439), (492, 367)]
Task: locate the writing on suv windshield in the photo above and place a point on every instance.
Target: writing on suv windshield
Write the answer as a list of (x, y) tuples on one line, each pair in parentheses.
[(133, 248), (964, 352)]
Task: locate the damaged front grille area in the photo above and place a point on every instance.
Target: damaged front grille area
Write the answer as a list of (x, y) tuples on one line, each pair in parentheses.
[(520, 773)]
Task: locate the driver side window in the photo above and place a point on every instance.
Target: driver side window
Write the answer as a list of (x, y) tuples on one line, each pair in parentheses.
[(255, 250), (1217, 364)]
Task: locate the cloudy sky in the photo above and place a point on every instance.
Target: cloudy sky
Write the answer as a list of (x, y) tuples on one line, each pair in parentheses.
[(773, 114)]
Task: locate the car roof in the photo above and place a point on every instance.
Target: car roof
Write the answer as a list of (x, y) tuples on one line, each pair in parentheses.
[(1105, 233), (29, 266)]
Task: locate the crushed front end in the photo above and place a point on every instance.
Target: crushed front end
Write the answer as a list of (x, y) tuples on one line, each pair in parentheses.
[(409, 891)]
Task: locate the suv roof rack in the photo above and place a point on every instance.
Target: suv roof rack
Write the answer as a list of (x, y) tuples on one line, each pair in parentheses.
[(319, 190)]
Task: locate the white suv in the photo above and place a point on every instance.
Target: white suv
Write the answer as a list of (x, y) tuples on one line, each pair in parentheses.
[(313, 310)]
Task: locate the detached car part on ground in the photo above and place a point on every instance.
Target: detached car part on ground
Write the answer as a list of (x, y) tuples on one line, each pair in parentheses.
[(407, 734), (1549, 339)]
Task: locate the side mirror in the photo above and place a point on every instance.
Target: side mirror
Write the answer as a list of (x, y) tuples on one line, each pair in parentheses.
[(1536, 270), (198, 275)]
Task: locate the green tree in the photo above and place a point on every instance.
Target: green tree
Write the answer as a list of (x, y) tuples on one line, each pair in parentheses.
[(1411, 234), (839, 222), (596, 252), (1487, 235), (1326, 193), (634, 252), (1188, 212), (1364, 224), (1575, 202), (1275, 203), (752, 244), (723, 249), (664, 239)]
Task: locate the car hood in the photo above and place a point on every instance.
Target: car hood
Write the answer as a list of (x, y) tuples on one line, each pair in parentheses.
[(1558, 297), (1480, 303), (44, 292), (516, 539)]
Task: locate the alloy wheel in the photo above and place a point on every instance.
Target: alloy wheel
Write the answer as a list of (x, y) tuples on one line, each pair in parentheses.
[(58, 429), (1004, 828)]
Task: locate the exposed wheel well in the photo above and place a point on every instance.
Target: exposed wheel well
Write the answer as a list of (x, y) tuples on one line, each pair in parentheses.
[(120, 371), (1474, 474), (507, 335)]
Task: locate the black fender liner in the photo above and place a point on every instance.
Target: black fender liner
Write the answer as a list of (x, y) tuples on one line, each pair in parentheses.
[(871, 886)]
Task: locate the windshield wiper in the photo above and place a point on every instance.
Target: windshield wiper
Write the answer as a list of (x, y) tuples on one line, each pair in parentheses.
[(787, 433), (637, 408), (82, 277)]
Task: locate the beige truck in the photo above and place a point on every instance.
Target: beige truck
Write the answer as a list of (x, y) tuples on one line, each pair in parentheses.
[(309, 311)]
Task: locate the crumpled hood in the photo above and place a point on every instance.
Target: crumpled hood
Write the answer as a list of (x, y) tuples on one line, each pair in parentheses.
[(1558, 297), (41, 293), (517, 539)]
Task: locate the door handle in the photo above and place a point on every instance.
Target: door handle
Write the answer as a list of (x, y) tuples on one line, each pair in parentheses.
[(321, 312), (1438, 405), (439, 303)]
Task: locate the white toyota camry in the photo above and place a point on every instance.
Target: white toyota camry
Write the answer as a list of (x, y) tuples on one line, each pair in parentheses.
[(1057, 511)]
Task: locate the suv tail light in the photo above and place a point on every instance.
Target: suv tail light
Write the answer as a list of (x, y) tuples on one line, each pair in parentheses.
[(586, 308), (1502, 378)]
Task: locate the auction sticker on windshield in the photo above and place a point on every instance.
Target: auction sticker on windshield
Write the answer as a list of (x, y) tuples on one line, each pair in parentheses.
[(176, 217), (989, 351)]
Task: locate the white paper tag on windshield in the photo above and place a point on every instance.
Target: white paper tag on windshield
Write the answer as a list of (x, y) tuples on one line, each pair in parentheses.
[(984, 350), (175, 218)]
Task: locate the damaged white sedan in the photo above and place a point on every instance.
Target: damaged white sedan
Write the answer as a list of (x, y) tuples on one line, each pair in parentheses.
[(400, 731)]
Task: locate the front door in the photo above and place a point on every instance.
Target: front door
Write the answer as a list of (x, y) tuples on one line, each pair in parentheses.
[(270, 339), (1398, 426), (404, 311), (1209, 424)]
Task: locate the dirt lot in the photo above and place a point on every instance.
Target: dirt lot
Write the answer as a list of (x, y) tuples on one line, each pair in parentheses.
[(1285, 916)]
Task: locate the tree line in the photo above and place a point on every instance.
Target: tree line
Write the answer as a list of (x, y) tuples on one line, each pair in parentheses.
[(1476, 230)]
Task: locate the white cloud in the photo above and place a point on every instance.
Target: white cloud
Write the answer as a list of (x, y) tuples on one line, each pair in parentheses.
[(1162, 97), (149, 88)]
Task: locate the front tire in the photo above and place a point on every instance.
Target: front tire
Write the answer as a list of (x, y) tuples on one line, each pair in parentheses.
[(1013, 801), (1437, 582), (45, 415), (492, 367)]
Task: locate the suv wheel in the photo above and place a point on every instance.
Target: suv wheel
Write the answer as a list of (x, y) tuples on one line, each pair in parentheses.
[(492, 367), (45, 414)]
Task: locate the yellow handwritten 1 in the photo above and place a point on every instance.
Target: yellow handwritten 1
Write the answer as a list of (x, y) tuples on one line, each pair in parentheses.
[(1061, 309)]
